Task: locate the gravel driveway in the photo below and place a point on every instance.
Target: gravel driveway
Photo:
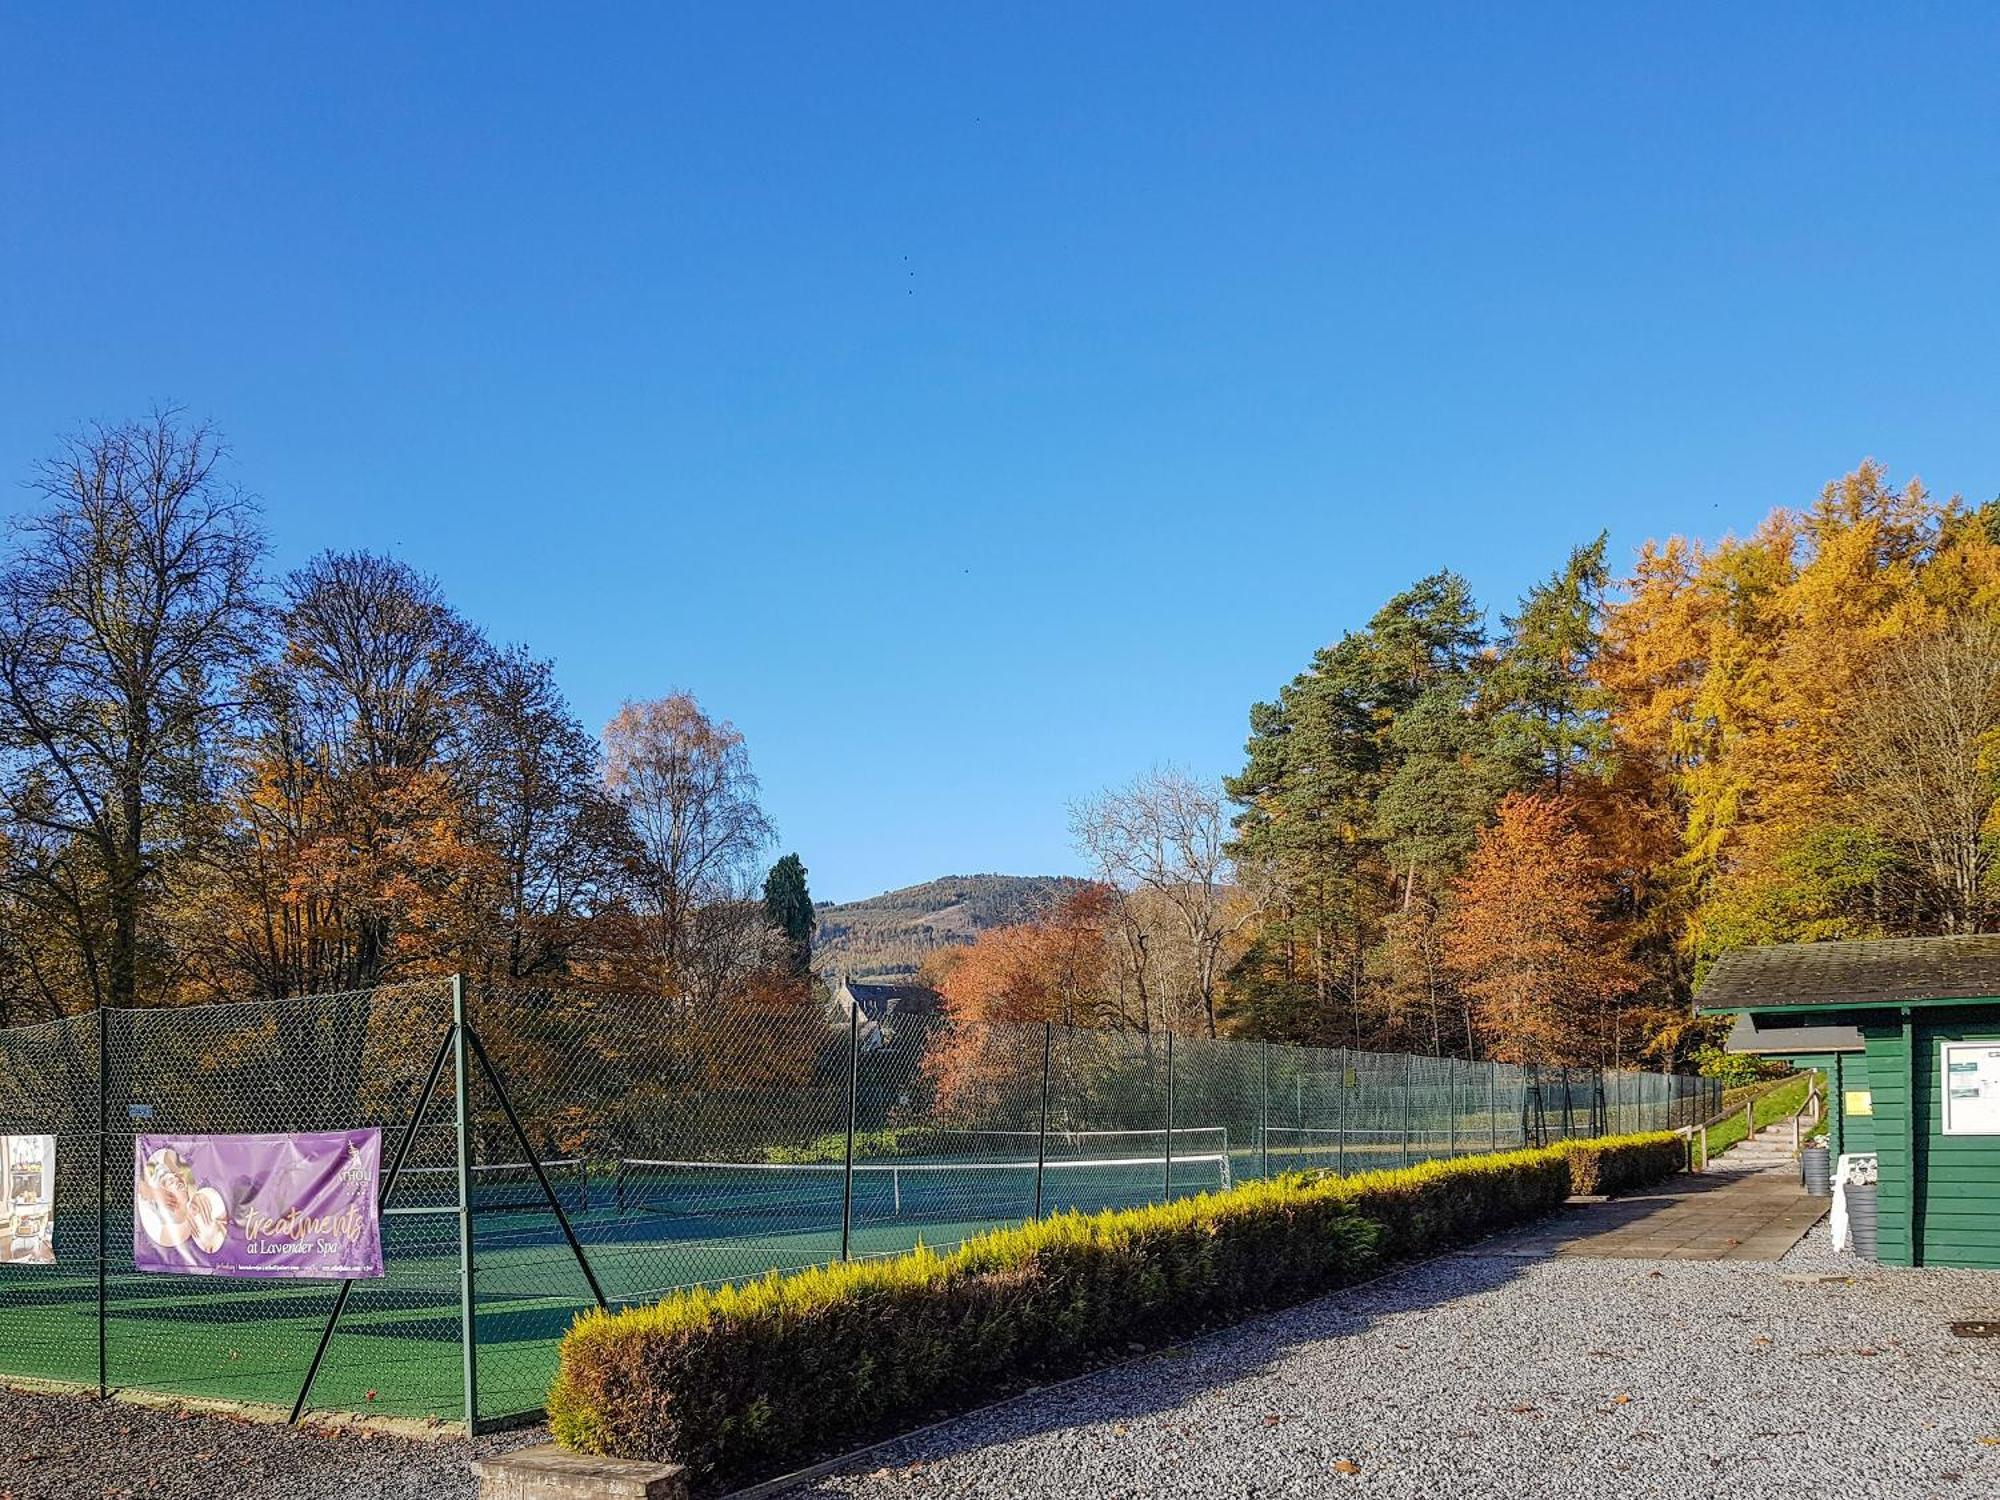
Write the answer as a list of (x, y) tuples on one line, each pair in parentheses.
[(1480, 1375), (80, 1448), (1476, 1375)]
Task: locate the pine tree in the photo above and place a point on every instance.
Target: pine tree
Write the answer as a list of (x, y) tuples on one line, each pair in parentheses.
[(788, 907), (1549, 712), (1320, 762)]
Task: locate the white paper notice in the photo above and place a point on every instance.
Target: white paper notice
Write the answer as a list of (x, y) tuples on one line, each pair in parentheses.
[(1971, 1088)]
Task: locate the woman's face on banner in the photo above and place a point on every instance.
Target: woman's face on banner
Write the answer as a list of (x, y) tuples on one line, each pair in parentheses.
[(171, 1185)]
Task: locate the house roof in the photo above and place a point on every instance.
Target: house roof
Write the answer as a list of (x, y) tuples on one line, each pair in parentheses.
[(877, 1001), (1854, 974)]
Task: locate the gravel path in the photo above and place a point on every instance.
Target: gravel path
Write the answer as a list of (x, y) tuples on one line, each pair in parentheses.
[(80, 1448), (1479, 1375), (1471, 1376)]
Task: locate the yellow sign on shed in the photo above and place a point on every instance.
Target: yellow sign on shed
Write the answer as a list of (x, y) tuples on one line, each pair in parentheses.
[(1858, 1102)]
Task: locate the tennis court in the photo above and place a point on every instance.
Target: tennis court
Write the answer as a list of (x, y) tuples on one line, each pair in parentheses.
[(680, 1150)]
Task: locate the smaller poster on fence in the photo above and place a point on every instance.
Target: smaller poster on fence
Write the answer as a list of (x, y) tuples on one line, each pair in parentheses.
[(28, 1214), (258, 1205)]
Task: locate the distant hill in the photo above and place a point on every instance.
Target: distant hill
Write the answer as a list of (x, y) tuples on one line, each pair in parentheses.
[(888, 935)]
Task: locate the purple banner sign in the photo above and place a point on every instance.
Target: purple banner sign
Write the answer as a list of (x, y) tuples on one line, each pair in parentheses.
[(258, 1205)]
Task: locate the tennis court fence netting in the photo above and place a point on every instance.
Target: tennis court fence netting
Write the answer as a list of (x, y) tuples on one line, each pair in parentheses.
[(546, 1151)]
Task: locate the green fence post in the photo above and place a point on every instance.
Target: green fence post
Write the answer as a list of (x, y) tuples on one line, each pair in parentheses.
[(1340, 1130), (1451, 1117), (1409, 1088), (1168, 1185), (853, 1090), (1264, 1107), (535, 1165), (468, 1331), (103, 1189), (1042, 1131), (1493, 1103)]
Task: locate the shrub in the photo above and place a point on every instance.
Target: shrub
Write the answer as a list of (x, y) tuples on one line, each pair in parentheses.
[(735, 1381), (1735, 1069), (1618, 1163)]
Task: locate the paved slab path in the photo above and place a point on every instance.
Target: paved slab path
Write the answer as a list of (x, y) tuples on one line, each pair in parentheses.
[(1717, 1215)]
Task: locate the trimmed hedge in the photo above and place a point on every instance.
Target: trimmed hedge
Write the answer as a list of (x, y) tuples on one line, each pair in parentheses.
[(741, 1381), (1617, 1163)]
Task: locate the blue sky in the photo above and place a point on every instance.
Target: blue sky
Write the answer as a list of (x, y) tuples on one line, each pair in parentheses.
[(978, 404)]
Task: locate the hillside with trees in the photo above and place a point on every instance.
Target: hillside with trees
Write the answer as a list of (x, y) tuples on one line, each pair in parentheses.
[(891, 935)]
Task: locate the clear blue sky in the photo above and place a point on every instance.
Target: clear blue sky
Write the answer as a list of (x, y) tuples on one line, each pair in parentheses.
[(980, 404)]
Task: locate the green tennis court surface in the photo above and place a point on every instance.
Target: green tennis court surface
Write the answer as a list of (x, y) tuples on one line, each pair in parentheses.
[(647, 1230)]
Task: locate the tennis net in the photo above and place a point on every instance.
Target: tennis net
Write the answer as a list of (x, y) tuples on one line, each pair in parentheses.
[(498, 1187), (945, 1192)]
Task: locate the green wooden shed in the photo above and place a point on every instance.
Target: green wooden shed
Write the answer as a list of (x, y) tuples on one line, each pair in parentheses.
[(1908, 1033)]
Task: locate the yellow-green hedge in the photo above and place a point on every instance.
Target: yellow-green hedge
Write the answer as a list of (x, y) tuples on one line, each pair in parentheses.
[(741, 1381), (1618, 1163)]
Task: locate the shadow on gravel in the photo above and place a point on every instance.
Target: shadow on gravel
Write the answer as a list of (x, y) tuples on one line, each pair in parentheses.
[(1150, 1385)]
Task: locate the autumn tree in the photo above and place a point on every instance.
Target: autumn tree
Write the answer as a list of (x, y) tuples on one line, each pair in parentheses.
[(1530, 944), (1921, 765), (127, 608), (358, 853), (563, 846), (684, 781), (1058, 967), (1734, 669), (1160, 846)]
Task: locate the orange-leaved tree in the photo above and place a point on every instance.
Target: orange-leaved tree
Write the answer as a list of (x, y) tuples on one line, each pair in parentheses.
[(1056, 967), (1531, 944)]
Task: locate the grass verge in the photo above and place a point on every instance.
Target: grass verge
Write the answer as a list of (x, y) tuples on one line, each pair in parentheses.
[(1785, 1099)]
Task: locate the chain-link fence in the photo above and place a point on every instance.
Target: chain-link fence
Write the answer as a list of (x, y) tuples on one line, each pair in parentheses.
[(615, 1147)]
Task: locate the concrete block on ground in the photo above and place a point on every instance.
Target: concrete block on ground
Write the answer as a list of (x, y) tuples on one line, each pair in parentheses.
[(546, 1472)]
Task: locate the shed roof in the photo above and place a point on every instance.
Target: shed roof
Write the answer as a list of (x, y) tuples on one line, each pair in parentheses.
[(1851, 974), (1770, 1035)]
